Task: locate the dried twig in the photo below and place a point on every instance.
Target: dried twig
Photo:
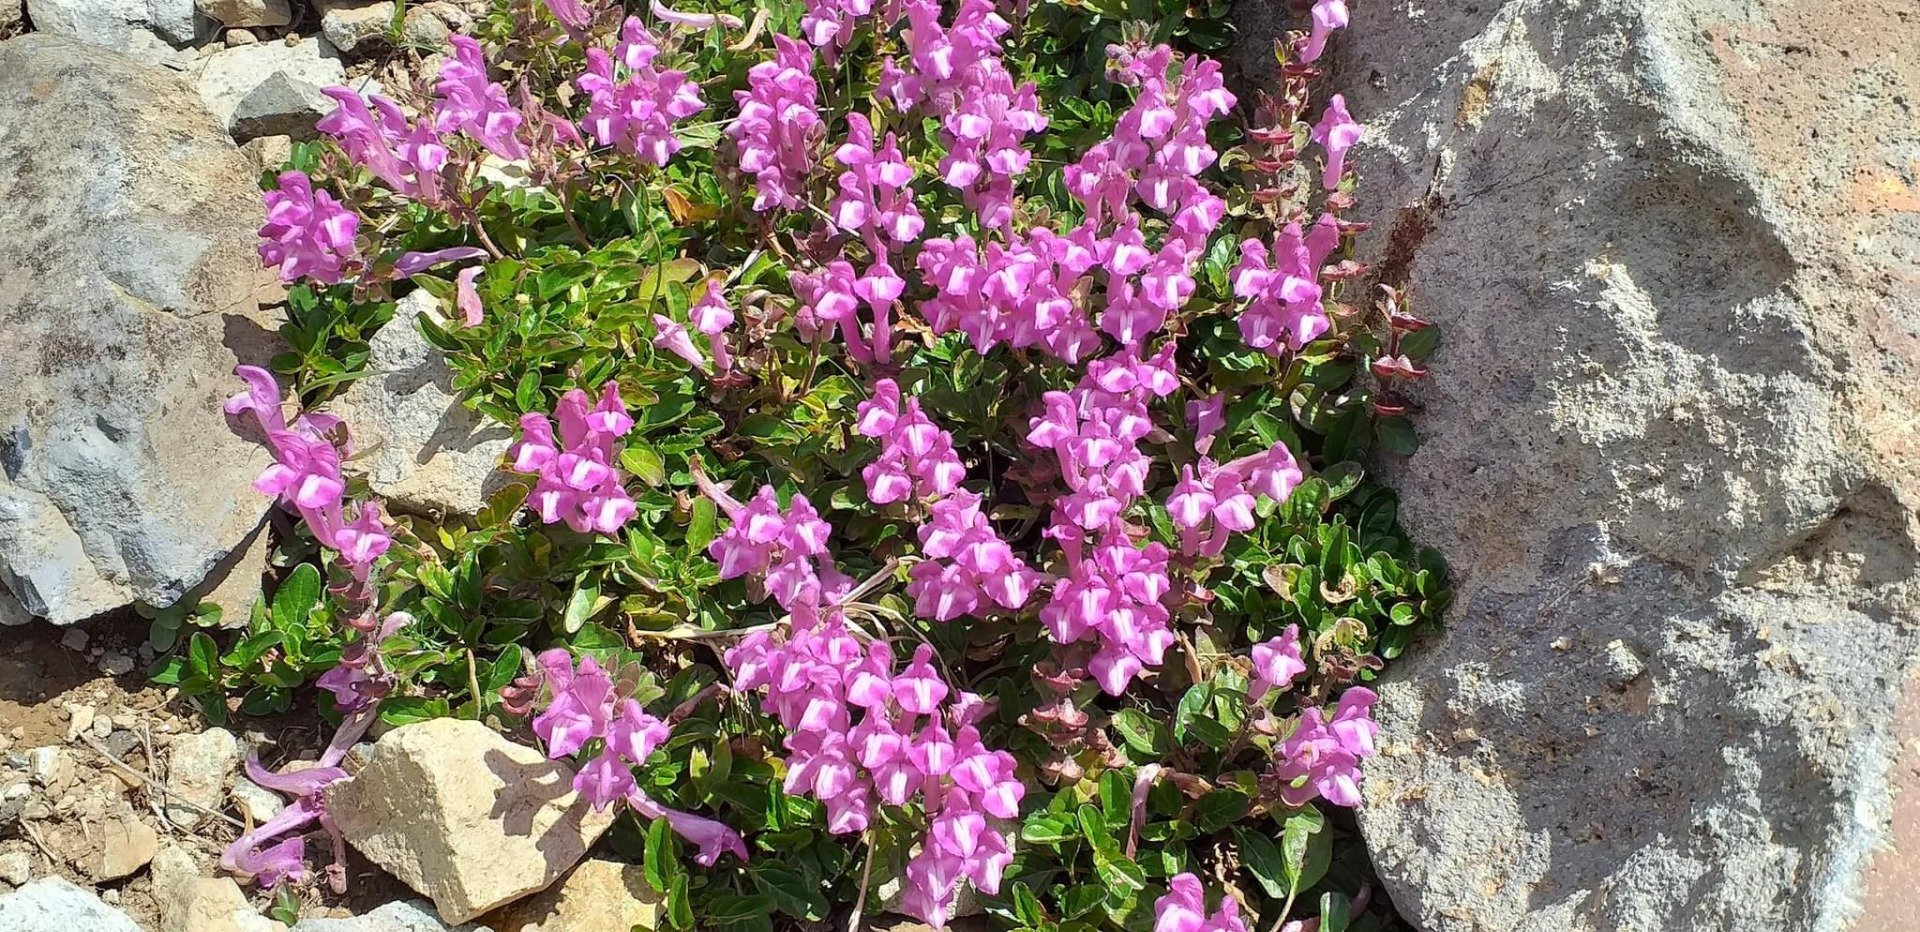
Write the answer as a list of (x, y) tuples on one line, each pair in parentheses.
[(154, 785)]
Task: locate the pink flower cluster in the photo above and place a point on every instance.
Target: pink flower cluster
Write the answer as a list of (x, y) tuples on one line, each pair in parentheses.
[(1184, 909), (307, 233), (634, 106), (470, 104), (1283, 287), (408, 156), (859, 734), (1321, 759), (1212, 502), (779, 124), (916, 457), (584, 707), (969, 569), (1021, 292), (578, 482), (831, 298), (306, 477), (956, 73)]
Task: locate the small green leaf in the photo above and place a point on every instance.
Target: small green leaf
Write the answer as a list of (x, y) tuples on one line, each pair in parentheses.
[(296, 597), (580, 606)]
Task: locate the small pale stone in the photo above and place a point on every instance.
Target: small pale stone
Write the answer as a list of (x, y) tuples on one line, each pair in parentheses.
[(16, 867), (79, 721), (55, 905), (116, 849), (198, 767), (74, 640), (598, 895), (461, 814), (114, 663), (239, 37), (409, 916), (256, 802), (190, 902), (49, 766), (247, 12), (348, 24)]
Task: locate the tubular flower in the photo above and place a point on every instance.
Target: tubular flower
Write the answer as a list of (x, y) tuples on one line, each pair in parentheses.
[(1328, 15), (1336, 132), (471, 104), (779, 124), (307, 233), (578, 482), (1321, 759), (584, 706), (1184, 909), (633, 105)]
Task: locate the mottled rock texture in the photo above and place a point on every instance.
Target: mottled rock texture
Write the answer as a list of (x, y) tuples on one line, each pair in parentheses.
[(1670, 452), (465, 816), (128, 291)]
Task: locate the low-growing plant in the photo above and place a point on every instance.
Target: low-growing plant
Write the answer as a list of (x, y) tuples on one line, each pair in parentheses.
[(942, 443)]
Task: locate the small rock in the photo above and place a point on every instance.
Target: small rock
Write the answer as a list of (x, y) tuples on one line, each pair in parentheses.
[(410, 916), (55, 905), (463, 815), (11, 12), (422, 29), (16, 867), (436, 457), (190, 902), (239, 37), (79, 721), (114, 663), (74, 640), (256, 802), (247, 12), (269, 89), (111, 850), (457, 19), (348, 24), (1623, 665), (598, 895), (197, 770), (102, 727), (50, 766), (268, 153)]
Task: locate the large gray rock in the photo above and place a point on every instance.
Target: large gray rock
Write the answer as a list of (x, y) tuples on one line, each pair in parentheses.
[(128, 290), (433, 456), (1669, 450), (270, 89), (151, 30), (54, 905)]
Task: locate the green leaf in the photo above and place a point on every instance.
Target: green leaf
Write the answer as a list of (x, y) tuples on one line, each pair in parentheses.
[(1336, 912), (1420, 344), (296, 597), (700, 529), (1397, 436), (1262, 859), (1141, 733), (1305, 849), (203, 657), (1044, 828), (662, 865), (581, 605), (1192, 705)]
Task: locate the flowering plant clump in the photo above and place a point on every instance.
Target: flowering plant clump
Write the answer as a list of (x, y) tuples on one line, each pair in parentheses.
[(940, 476)]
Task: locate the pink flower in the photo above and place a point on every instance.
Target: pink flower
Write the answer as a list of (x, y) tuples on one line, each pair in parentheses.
[(1336, 132), (1284, 306), (578, 483), (467, 298), (1275, 663), (1184, 909), (1328, 15), (575, 15), (471, 104), (632, 104), (1322, 759), (712, 316), (671, 336), (307, 233), (779, 124)]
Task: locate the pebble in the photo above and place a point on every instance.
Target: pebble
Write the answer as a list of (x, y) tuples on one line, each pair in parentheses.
[(49, 766), (239, 37), (254, 801), (79, 721), (74, 640), (16, 867), (102, 726), (116, 664)]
